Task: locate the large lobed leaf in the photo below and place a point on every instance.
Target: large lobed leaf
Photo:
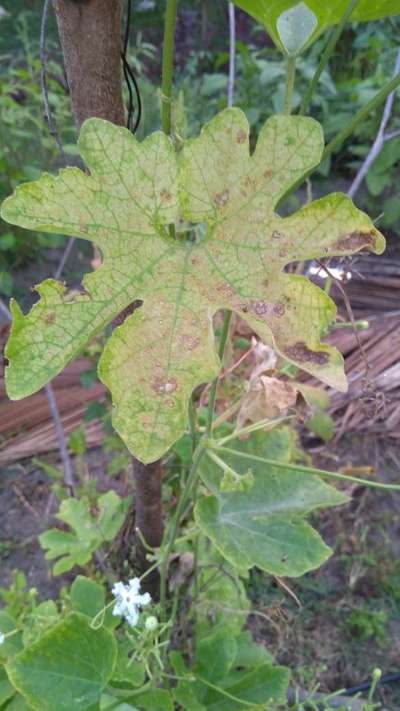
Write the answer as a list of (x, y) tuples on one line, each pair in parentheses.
[(266, 528), (327, 13), (165, 348), (68, 669)]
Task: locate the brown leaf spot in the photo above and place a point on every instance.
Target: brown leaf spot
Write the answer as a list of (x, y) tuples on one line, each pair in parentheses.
[(162, 387), (277, 235), (268, 174), (84, 229), (241, 136), (356, 240), (119, 320), (278, 309), (303, 354), (165, 195), (261, 308), (244, 308), (50, 318), (189, 342), (226, 289), (221, 199), (283, 253), (249, 183)]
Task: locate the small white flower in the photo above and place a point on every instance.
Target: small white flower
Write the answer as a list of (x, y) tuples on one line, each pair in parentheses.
[(151, 623), (129, 601), (2, 638)]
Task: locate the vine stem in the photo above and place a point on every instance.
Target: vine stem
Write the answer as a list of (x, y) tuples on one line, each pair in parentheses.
[(168, 65), (172, 529), (308, 470), (213, 391), (326, 54), (290, 77)]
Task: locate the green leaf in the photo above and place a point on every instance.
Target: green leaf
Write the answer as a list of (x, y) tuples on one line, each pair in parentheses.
[(216, 655), (295, 26), (18, 703), (44, 616), (157, 700), (68, 669), (127, 670), (377, 181), (266, 527), (264, 685), (6, 689), (328, 13), (249, 653), (13, 644), (87, 596), (89, 531), (322, 425), (165, 348)]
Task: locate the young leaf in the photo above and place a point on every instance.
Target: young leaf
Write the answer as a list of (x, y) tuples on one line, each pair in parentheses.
[(165, 347), (327, 13), (267, 527), (68, 669), (89, 532)]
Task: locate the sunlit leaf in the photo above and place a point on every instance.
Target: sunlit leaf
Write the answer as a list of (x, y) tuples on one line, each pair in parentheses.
[(295, 26), (327, 12), (169, 289)]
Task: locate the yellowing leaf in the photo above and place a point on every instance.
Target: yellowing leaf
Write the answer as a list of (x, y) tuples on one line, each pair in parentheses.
[(165, 347)]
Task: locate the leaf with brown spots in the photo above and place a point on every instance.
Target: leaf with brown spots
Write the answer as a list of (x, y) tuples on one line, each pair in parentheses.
[(164, 292)]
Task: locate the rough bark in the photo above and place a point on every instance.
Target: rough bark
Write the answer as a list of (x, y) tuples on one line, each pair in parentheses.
[(148, 517), (90, 36)]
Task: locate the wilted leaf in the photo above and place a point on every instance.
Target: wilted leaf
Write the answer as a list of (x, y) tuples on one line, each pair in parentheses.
[(267, 526), (266, 398), (328, 13), (165, 347)]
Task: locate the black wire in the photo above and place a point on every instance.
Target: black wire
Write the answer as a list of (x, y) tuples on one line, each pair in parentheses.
[(128, 71), (388, 679), (129, 76)]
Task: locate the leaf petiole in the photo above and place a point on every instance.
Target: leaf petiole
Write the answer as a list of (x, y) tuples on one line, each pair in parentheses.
[(309, 470)]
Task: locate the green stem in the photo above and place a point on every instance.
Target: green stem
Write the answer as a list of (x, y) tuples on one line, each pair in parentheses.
[(326, 54), (192, 424), (213, 391), (168, 65), (172, 530), (309, 470), (378, 99), (290, 76)]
